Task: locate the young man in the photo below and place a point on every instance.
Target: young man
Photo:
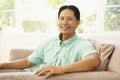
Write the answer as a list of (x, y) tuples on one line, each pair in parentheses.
[(66, 53)]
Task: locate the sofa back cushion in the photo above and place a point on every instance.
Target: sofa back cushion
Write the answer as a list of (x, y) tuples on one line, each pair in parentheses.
[(114, 63), (16, 54), (104, 50)]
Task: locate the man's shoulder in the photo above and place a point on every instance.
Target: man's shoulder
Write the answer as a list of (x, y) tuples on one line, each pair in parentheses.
[(54, 38), (50, 40), (82, 41)]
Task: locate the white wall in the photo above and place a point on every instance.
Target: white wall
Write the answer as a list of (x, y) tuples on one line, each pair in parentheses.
[(9, 41)]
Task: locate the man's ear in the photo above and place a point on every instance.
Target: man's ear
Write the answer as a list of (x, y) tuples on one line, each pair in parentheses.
[(78, 21)]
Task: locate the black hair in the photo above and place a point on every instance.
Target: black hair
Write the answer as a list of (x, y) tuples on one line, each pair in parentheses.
[(71, 7)]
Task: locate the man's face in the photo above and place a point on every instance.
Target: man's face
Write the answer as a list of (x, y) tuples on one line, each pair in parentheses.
[(67, 22)]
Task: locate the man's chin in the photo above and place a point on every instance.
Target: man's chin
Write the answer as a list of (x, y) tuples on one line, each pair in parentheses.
[(65, 33)]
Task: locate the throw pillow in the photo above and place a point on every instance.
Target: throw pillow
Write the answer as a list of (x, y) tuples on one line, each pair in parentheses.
[(104, 50)]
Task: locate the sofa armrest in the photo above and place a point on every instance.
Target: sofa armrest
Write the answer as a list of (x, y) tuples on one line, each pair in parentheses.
[(16, 54)]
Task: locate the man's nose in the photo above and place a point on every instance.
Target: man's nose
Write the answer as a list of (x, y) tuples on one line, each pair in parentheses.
[(65, 21)]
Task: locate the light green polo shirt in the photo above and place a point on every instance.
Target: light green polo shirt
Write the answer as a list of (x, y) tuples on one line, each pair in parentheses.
[(58, 53)]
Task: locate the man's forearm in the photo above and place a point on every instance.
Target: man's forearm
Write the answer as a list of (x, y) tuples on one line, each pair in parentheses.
[(84, 65), (19, 64)]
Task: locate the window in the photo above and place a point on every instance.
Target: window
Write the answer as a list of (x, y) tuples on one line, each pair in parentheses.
[(40, 16), (112, 15), (7, 13)]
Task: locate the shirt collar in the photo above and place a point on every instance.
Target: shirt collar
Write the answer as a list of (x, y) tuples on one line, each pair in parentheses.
[(69, 41)]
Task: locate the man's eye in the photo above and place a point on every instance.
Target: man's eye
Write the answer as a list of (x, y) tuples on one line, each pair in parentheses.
[(61, 18), (70, 19)]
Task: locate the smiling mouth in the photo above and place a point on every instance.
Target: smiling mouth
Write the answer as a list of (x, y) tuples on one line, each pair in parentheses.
[(65, 28)]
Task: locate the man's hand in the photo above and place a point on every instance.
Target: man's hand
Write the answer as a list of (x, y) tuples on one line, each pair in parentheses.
[(50, 70)]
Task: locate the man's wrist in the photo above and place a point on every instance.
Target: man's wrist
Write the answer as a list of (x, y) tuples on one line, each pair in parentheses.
[(65, 69)]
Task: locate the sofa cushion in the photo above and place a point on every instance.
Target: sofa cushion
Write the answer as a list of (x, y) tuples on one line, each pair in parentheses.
[(16, 54), (114, 63), (102, 75), (104, 50)]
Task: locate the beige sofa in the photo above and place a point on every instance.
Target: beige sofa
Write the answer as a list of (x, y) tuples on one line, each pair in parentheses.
[(112, 71)]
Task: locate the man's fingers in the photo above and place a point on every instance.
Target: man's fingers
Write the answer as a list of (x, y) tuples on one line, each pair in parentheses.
[(40, 72), (48, 74), (47, 71)]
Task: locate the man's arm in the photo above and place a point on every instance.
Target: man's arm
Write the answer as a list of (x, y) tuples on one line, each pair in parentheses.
[(90, 62), (18, 64)]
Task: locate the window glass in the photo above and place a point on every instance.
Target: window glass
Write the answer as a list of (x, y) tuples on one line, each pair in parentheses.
[(112, 15), (37, 16), (7, 14), (6, 4)]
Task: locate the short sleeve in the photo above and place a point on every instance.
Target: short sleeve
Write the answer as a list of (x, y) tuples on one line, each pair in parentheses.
[(37, 56), (87, 48)]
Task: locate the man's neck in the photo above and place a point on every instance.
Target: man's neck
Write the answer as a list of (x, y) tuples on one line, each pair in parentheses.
[(64, 37)]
